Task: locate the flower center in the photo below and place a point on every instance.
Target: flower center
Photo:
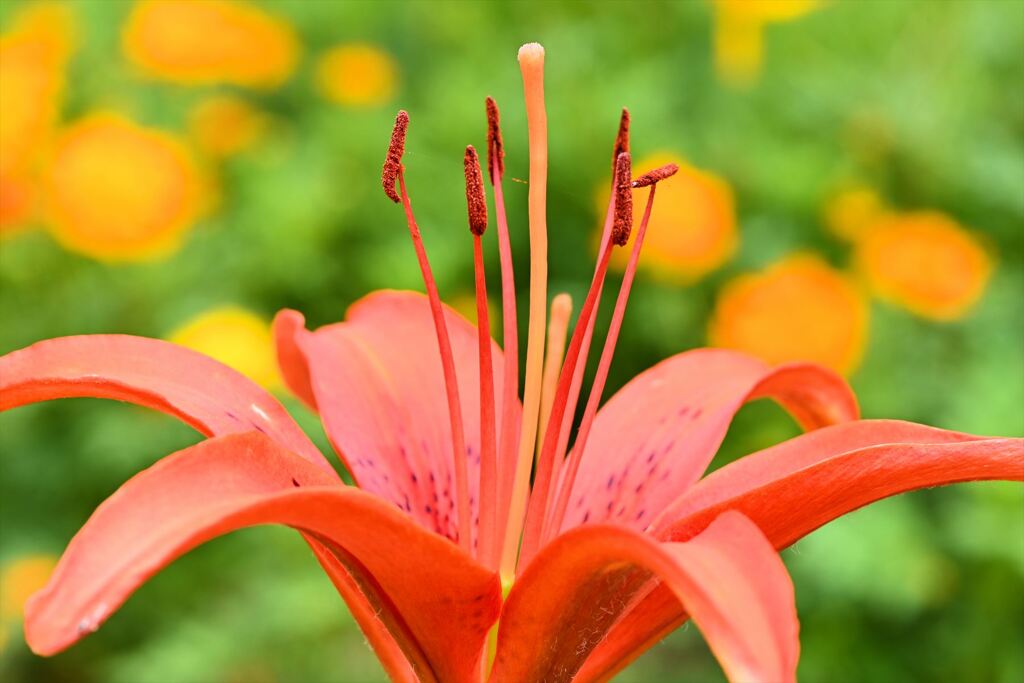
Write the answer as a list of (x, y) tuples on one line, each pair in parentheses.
[(515, 520)]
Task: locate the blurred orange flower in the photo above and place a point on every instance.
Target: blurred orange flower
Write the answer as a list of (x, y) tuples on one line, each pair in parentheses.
[(800, 309), (739, 33), (33, 55), (210, 41), (224, 125), (357, 74), (118, 191), (924, 261), (235, 337), (21, 578), (692, 232)]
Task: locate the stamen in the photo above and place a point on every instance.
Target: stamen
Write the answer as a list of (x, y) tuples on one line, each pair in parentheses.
[(477, 209), (623, 223), (621, 143), (508, 443), (495, 147), (622, 139), (393, 160), (443, 341), (558, 331), (594, 399), (545, 464), (531, 64), (476, 204), (656, 176)]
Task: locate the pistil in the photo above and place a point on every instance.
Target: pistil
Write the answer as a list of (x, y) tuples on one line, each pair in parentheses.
[(393, 170), (476, 206), (531, 64), (557, 513)]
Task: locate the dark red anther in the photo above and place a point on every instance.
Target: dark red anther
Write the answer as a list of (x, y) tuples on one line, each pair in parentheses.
[(476, 204), (657, 175), (393, 161), (495, 147), (623, 221), (622, 139)]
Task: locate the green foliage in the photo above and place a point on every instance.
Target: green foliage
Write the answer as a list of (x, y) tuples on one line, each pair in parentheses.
[(922, 100)]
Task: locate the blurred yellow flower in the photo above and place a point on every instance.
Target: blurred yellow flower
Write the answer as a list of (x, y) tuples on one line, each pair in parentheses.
[(800, 309), (235, 337), (924, 261), (224, 125), (118, 191), (33, 55), (210, 41), (693, 226), (20, 579), (851, 211), (357, 74), (739, 33)]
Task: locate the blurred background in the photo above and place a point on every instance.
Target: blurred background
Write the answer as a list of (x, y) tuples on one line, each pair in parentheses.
[(852, 193)]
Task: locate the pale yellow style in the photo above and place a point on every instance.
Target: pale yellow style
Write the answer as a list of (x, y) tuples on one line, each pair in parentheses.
[(800, 309), (357, 74), (236, 337)]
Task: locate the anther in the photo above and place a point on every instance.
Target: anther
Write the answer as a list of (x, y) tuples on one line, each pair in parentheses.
[(623, 222), (622, 139), (475, 201), (393, 161), (657, 175), (495, 147)]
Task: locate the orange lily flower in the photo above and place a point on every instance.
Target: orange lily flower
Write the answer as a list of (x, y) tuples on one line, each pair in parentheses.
[(444, 538)]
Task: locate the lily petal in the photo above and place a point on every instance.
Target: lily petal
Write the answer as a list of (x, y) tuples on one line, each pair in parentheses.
[(657, 435), (201, 492), (792, 488), (206, 394), (729, 577), (392, 434)]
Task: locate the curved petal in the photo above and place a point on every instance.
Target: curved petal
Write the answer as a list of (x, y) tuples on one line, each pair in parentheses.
[(197, 494), (393, 433), (209, 396), (657, 435), (729, 577), (795, 487)]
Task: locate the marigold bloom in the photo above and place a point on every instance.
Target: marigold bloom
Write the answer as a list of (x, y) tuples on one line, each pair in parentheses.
[(739, 33), (694, 230), (33, 55), (224, 125), (357, 74), (236, 337), (118, 191), (850, 212), (20, 579), (210, 41), (799, 309), (925, 262)]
